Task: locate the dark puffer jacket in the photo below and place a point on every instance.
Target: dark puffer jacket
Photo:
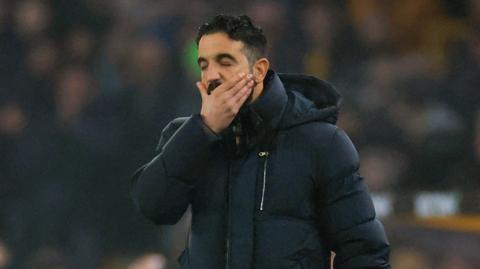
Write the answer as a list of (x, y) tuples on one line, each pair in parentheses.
[(287, 203)]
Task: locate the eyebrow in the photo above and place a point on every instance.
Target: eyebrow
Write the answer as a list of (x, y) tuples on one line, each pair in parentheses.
[(218, 58)]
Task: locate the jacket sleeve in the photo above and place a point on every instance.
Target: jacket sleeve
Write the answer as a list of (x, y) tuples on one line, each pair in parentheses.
[(347, 213), (161, 189)]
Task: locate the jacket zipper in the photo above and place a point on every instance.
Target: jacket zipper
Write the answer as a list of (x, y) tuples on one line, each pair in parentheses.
[(264, 154)]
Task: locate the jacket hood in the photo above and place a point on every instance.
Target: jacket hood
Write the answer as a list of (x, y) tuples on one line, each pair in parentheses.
[(312, 99)]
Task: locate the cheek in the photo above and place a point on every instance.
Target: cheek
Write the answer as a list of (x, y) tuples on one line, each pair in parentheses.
[(240, 69), (231, 71)]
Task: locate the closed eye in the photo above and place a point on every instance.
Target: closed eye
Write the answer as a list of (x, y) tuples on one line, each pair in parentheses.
[(226, 63), (202, 63), (226, 59)]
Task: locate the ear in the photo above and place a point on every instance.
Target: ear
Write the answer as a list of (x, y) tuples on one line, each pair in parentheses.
[(260, 69)]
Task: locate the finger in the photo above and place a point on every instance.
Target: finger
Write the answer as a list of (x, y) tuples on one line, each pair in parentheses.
[(244, 97), (248, 81), (202, 89), (242, 91), (230, 93), (228, 84), (234, 104)]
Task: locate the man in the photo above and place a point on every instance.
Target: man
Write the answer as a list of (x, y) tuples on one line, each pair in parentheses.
[(272, 182)]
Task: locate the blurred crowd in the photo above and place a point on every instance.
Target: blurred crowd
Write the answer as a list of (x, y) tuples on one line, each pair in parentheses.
[(86, 87)]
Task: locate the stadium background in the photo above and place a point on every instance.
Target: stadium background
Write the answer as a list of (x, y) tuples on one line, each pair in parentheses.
[(86, 87)]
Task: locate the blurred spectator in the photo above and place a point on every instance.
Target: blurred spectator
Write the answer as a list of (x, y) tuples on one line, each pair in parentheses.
[(193, 14), (112, 59), (433, 33), (55, 197), (153, 94), (284, 47), (12, 119), (48, 258), (473, 12), (4, 256), (35, 84), (150, 92), (455, 262), (3, 13), (33, 19), (464, 78), (371, 26), (74, 92), (318, 23), (149, 261), (143, 13), (404, 258), (13, 125), (476, 137), (382, 167), (80, 45), (69, 16)]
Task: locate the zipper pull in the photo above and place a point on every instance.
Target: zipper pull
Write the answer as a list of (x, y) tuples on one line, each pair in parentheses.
[(263, 153)]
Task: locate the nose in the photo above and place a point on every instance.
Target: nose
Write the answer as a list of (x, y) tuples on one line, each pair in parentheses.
[(211, 74)]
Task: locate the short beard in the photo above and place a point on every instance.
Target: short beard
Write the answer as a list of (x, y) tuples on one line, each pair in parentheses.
[(250, 96)]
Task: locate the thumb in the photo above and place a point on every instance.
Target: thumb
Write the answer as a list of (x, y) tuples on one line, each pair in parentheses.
[(202, 89)]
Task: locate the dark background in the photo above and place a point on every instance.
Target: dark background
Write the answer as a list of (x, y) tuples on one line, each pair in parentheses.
[(86, 87)]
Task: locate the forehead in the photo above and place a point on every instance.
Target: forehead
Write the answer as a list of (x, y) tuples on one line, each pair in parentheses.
[(212, 44)]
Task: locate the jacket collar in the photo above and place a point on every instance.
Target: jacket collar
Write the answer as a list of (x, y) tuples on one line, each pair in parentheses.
[(311, 99), (259, 120), (286, 100)]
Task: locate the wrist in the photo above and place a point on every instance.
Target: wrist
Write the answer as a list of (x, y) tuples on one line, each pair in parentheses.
[(209, 125)]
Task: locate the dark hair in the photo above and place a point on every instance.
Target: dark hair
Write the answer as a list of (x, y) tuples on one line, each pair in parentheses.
[(239, 28)]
